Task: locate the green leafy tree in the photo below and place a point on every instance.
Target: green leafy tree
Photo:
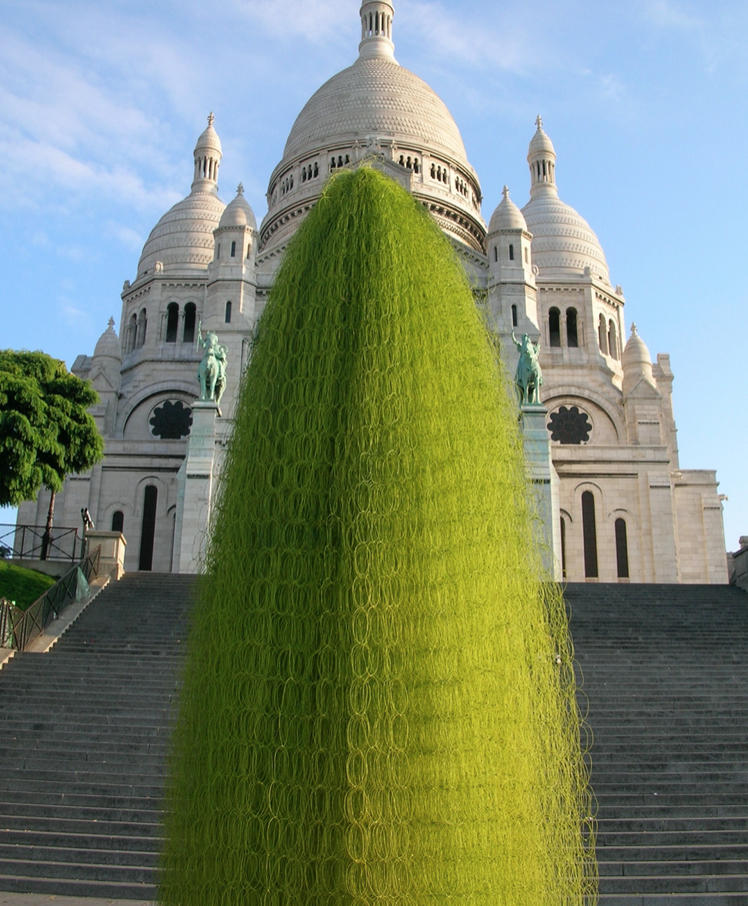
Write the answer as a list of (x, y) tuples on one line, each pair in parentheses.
[(46, 431)]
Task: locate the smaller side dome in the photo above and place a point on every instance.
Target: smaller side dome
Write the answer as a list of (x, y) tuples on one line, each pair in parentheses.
[(636, 361), (238, 212), (507, 215), (108, 345)]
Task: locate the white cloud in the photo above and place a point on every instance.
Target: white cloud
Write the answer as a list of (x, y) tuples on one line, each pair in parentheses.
[(671, 14), (501, 43), (130, 238), (317, 23)]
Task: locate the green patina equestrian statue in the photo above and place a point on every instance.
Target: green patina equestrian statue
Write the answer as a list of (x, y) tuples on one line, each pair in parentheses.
[(528, 376)]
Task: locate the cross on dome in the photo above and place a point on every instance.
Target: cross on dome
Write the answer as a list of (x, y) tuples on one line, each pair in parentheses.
[(240, 189), (539, 121), (211, 118)]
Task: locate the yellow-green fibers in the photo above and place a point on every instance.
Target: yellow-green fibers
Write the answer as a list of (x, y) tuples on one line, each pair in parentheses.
[(378, 704)]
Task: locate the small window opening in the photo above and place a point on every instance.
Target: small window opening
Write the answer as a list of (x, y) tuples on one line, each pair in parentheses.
[(233, 249), (227, 315), (602, 337), (511, 252), (622, 550), (571, 327), (554, 327), (172, 322), (190, 312), (589, 534), (563, 547), (495, 253), (118, 521), (612, 339), (514, 315)]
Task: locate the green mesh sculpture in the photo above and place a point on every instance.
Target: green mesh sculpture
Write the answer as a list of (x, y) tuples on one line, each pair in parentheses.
[(378, 704)]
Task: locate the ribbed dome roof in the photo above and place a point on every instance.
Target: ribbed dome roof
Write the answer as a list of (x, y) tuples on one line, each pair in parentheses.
[(507, 215), (563, 242), (108, 345), (238, 213), (562, 238), (376, 96), (183, 238)]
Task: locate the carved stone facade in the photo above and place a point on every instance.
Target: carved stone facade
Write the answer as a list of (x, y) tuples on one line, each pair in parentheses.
[(618, 505)]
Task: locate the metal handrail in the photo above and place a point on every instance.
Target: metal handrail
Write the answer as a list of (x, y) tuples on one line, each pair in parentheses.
[(19, 627), (30, 542)]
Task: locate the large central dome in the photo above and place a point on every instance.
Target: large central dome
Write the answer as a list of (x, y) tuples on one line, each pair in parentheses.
[(375, 109), (376, 97)]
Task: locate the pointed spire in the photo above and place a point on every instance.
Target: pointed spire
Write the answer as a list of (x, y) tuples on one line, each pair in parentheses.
[(207, 154), (376, 29), (541, 157)]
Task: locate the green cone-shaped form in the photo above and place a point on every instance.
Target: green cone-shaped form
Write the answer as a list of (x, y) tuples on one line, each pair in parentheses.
[(378, 705)]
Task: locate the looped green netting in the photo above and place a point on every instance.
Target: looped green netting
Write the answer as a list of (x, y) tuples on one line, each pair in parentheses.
[(378, 704)]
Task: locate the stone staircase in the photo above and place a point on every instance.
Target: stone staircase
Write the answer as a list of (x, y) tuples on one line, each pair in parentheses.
[(83, 736), (84, 732), (665, 672)]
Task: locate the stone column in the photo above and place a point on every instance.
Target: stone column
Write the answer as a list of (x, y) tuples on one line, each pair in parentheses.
[(544, 480), (195, 489)]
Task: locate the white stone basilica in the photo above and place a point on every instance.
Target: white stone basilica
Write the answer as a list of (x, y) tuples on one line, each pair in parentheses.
[(602, 449)]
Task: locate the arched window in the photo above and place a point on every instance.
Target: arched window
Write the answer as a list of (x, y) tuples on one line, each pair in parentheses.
[(612, 339), (589, 535), (563, 547), (571, 327), (622, 549), (172, 322), (148, 528), (602, 337), (554, 327), (227, 315), (514, 315), (233, 249), (190, 311), (511, 252), (132, 332), (142, 327), (118, 521)]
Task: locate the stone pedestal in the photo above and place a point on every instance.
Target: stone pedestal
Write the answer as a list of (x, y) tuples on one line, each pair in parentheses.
[(113, 545), (195, 489), (544, 479)]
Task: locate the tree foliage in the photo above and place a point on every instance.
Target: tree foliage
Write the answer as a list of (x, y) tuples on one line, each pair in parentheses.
[(46, 431)]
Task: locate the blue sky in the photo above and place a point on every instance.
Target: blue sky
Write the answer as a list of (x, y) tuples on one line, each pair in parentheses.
[(101, 103)]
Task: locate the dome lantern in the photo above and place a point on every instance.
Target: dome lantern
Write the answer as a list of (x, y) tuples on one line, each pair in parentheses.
[(376, 29), (208, 154), (541, 157)]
